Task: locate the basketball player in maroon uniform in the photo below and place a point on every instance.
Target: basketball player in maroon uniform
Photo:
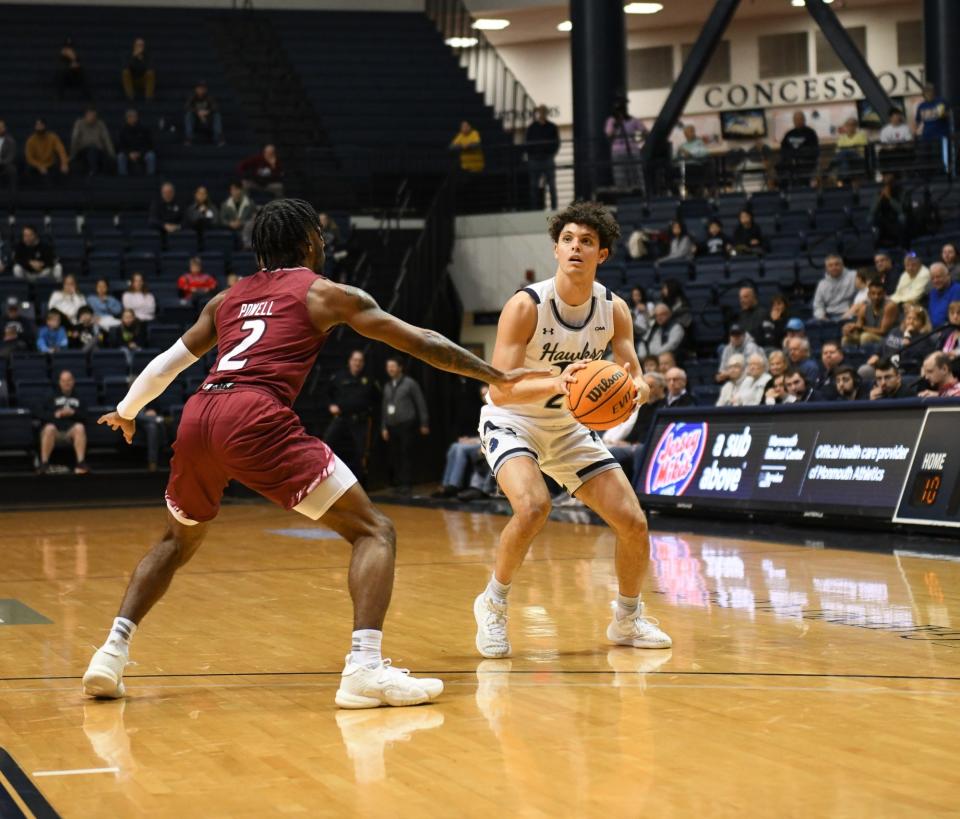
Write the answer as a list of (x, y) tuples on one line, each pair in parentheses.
[(269, 329)]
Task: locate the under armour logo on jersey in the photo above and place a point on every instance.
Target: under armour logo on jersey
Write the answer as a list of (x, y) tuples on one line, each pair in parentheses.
[(548, 330)]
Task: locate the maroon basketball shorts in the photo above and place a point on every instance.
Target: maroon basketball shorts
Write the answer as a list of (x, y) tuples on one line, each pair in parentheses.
[(248, 436)]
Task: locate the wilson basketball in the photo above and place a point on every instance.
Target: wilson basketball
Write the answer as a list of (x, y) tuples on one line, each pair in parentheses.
[(602, 396)]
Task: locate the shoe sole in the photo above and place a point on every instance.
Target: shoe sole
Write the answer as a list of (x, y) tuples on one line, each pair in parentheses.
[(102, 683), (486, 654), (626, 641), (345, 699)]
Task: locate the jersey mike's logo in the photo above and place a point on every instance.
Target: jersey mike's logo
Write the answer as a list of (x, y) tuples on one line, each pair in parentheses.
[(675, 459), (605, 384)]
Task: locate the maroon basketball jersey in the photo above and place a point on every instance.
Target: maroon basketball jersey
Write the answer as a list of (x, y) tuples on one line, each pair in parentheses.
[(265, 340)]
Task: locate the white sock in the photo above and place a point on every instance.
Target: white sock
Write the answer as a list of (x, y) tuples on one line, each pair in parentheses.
[(497, 591), (365, 648), (121, 633), (626, 605)]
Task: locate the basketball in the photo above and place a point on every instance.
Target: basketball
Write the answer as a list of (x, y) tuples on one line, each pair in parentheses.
[(602, 396)]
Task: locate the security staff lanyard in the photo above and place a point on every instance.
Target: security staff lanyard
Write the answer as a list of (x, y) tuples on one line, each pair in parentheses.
[(391, 406)]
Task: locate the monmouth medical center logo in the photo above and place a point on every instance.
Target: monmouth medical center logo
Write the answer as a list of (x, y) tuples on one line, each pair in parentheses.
[(675, 459)]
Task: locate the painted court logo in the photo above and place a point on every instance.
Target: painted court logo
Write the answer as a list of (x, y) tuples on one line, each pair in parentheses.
[(676, 457)]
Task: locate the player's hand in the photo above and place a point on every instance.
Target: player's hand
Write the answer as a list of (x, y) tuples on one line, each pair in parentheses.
[(518, 374), (127, 426), (640, 385), (569, 376)]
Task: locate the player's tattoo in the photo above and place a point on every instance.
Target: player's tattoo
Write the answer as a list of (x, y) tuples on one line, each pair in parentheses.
[(440, 352)]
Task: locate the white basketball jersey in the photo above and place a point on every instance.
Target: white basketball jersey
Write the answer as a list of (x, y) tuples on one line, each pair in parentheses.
[(558, 344)]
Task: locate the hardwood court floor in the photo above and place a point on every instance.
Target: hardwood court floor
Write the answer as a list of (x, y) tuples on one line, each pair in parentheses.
[(802, 682)]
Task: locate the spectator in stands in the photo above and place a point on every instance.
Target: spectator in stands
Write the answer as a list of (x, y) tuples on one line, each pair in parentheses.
[(850, 157), (641, 310), (799, 150), (232, 279), (106, 308), (625, 442), (777, 362), (835, 291), (8, 158), (70, 73), (751, 313), (459, 467), (872, 319), (794, 328), (201, 212), (672, 295), (948, 255), (896, 131), (693, 147), (404, 414), (798, 358), (135, 146), (665, 362), (798, 387), (129, 334), (195, 282), (883, 266), (45, 155), (831, 358), (26, 328), (52, 337), (332, 247), (740, 343), (237, 212), (13, 342), (932, 118), (914, 282), (846, 385), (682, 248), (625, 133), (202, 117), (34, 258), (923, 214), (939, 375), (860, 279), (747, 237), (716, 245), (887, 215), (90, 144), (773, 328), (68, 299), (85, 334), (942, 292), (751, 389), (776, 391), (139, 300), (888, 383), (352, 401), (677, 395), (650, 363), (542, 143), (949, 341), (64, 418), (666, 334), (138, 75), (468, 147), (165, 214), (733, 375), (263, 171), (906, 341), (694, 154)]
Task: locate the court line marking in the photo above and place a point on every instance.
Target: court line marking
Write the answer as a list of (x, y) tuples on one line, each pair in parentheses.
[(77, 772)]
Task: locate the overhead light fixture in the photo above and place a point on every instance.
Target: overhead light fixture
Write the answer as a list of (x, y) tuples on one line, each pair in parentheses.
[(461, 42), (490, 24), (566, 25), (801, 3), (643, 8)]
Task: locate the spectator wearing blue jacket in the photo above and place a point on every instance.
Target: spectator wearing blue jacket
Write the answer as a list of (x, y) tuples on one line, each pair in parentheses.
[(53, 337), (942, 292)]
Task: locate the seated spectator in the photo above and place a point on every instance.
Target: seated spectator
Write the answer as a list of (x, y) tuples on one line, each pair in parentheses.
[(106, 308), (751, 313), (649, 363), (739, 344), (677, 395), (887, 214), (263, 171), (26, 327), (90, 144), (135, 146), (872, 319), (13, 342), (939, 375), (625, 442), (777, 363), (716, 245), (138, 77), (909, 341), (949, 342), (237, 212), (672, 295), (798, 358), (835, 291), (165, 214), (232, 279), (666, 335), (747, 237), (70, 73), (923, 213), (202, 117), (846, 385), (776, 391), (914, 281), (682, 248), (798, 387), (68, 299), (85, 334), (850, 157), (664, 362), (52, 337), (641, 310), (64, 422), (468, 147), (794, 328), (799, 151), (733, 375), (693, 147), (888, 383), (8, 158), (195, 282), (773, 328), (943, 291), (948, 255), (45, 155), (138, 299), (201, 212), (332, 244), (862, 276), (754, 383), (129, 334), (34, 258), (882, 266), (831, 357), (460, 460), (896, 131)]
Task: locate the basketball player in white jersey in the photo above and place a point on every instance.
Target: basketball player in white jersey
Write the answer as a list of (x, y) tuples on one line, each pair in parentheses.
[(563, 322)]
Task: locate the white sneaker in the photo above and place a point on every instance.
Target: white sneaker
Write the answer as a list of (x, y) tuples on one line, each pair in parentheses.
[(104, 677), (491, 618), (363, 687), (637, 631)]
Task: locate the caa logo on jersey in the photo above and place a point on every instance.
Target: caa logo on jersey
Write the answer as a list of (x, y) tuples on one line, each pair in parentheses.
[(676, 457)]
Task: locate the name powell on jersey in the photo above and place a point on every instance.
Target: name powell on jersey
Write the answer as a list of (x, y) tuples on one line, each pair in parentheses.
[(260, 308), (553, 354)]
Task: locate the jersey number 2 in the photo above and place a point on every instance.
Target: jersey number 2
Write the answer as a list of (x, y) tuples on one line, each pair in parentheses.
[(256, 328)]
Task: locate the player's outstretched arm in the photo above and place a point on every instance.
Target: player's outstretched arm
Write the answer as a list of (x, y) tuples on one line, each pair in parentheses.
[(158, 374)]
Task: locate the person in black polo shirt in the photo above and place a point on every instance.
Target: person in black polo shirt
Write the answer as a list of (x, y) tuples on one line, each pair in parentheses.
[(352, 397), (165, 214), (542, 144), (64, 418), (799, 150)]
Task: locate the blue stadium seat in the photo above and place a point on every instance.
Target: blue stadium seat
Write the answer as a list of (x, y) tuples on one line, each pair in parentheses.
[(781, 271), (838, 198), (105, 264), (787, 245), (831, 220), (215, 264), (163, 335), (33, 394), (73, 360), (699, 294), (146, 239), (114, 388), (709, 326), (224, 241), (675, 270), (184, 241), (17, 438), (86, 390), (743, 268), (14, 287), (108, 362), (709, 270), (143, 357), (244, 263), (802, 199), (809, 272), (29, 366), (793, 222), (174, 264), (141, 261), (764, 202)]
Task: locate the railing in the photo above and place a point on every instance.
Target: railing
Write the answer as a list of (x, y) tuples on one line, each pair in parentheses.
[(501, 90)]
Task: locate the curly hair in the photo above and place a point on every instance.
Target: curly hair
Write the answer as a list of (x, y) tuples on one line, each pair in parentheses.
[(281, 232), (593, 215)]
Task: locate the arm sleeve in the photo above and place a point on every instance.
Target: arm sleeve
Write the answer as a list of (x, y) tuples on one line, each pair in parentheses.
[(421, 404), (155, 378)]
